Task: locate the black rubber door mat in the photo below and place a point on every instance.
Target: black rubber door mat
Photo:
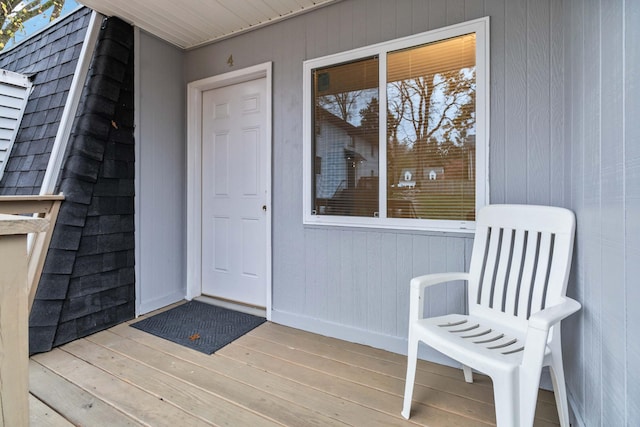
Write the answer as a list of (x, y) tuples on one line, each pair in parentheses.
[(200, 326)]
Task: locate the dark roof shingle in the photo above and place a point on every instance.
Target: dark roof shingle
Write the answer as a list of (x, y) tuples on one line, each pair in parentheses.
[(50, 59)]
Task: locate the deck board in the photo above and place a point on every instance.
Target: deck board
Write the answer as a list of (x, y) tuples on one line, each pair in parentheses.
[(390, 388), (77, 405), (436, 377), (143, 407), (168, 387), (269, 383), (214, 378), (272, 376), (42, 415)]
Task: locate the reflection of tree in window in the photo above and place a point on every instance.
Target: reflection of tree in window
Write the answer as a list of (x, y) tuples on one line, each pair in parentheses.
[(341, 104), (346, 139), (431, 125)]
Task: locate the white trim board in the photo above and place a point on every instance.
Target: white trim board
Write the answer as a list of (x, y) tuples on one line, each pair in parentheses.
[(194, 170), (148, 306), (232, 306)]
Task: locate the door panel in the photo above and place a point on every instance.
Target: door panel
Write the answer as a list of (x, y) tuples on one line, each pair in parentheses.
[(234, 225)]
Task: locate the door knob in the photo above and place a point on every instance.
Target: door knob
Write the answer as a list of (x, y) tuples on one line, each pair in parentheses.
[(264, 208)]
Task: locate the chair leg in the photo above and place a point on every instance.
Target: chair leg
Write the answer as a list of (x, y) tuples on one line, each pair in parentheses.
[(506, 396), (528, 397), (559, 389), (468, 374), (412, 360)]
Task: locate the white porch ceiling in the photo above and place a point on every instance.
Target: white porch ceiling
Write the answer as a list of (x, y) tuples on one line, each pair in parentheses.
[(191, 23)]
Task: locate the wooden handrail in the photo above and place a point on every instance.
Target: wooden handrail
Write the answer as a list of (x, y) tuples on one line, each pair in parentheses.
[(46, 207), (14, 317)]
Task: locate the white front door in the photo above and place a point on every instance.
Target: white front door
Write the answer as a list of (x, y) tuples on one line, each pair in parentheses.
[(234, 193)]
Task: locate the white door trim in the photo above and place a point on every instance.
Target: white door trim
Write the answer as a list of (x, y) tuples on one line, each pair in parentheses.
[(194, 171)]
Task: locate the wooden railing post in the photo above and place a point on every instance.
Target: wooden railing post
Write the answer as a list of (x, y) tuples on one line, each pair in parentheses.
[(14, 317), (46, 207)]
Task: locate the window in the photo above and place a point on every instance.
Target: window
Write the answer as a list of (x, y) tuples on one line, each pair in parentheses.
[(396, 134), (14, 92)]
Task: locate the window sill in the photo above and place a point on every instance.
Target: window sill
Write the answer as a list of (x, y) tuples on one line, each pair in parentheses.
[(394, 225)]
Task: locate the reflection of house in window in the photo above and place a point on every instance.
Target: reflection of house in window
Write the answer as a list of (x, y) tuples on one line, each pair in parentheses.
[(407, 179), (348, 164), (434, 173)]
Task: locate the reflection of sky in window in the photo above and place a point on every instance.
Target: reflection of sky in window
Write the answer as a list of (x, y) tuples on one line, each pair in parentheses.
[(360, 100), (39, 22), (406, 132)]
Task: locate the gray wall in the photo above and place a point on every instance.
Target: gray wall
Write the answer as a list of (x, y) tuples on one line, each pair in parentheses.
[(564, 131), (602, 133), (160, 174), (353, 283)]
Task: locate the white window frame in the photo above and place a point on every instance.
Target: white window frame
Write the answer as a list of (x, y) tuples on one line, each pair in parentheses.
[(478, 26), (16, 87)]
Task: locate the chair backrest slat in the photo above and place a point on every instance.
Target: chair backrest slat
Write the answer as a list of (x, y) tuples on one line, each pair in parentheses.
[(545, 255), (503, 270), (521, 258), (511, 295), (527, 275), (487, 281), (478, 264)]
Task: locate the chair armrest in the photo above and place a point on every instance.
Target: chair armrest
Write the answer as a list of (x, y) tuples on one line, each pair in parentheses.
[(538, 331), (427, 280), (420, 283), (546, 318)]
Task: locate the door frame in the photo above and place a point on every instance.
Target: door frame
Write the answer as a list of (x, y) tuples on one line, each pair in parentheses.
[(194, 171)]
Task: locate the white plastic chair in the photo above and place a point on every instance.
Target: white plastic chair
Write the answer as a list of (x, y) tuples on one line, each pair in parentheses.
[(516, 299)]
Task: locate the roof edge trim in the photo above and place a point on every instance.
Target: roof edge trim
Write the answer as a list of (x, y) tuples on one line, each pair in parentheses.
[(71, 106)]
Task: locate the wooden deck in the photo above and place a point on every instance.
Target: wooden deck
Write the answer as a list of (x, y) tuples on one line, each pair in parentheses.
[(273, 376)]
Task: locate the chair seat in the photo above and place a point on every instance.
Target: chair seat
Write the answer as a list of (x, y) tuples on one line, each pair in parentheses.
[(473, 341)]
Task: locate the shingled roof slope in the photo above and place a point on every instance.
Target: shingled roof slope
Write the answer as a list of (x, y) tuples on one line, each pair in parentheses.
[(50, 59), (88, 281)]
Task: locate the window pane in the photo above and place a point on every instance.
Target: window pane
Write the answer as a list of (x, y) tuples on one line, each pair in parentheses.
[(431, 130), (345, 139)]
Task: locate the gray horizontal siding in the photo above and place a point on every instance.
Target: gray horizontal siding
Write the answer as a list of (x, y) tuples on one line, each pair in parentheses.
[(13, 100)]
